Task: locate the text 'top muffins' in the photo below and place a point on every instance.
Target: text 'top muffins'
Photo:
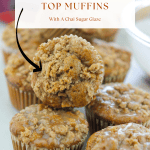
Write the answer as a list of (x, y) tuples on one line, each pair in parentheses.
[(72, 72)]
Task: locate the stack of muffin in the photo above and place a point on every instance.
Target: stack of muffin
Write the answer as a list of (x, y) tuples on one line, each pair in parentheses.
[(72, 71), (71, 76)]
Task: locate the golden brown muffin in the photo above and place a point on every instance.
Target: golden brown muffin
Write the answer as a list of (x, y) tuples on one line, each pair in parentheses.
[(116, 60), (101, 33), (118, 103), (19, 80), (72, 71), (129, 136), (39, 126), (28, 39)]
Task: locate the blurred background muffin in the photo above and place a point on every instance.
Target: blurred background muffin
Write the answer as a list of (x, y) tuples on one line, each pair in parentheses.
[(28, 39), (116, 60), (100, 33), (19, 81)]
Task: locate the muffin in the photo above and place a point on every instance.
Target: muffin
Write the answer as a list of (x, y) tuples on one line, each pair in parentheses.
[(72, 72), (116, 60), (28, 39), (101, 33), (19, 81), (129, 136), (118, 103), (40, 127), (88, 34)]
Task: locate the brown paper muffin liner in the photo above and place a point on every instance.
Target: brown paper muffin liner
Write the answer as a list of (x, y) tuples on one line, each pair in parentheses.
[(109, 79), (21, 99), (18, 145), (96, 123)]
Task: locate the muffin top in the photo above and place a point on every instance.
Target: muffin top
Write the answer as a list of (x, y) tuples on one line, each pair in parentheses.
[(122, 137), (120, 103), (72, 71), (41, 127), (116, 59), (28, 38), (99, 32), (17, 70)]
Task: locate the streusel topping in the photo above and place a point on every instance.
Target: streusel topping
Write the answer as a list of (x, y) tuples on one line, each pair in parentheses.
[(17, 70), (42, 127), (116, 60), (72, 71), (122, 137), (28, 38), (121, 103)]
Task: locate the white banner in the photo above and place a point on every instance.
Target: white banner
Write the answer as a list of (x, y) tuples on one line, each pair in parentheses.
[(72, 14)]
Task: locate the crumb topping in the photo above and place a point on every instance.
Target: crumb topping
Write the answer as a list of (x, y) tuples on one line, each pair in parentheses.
[(121, 103), (116, 60), (122, 137), (43, 127), (28, 38), (17, 70), (72, 71)]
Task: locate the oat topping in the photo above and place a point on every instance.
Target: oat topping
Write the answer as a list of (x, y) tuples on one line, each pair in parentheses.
[(17, 70), (43, 127), (28, 38), (122, 137), (116, 60), (72, 71), (121, 103)]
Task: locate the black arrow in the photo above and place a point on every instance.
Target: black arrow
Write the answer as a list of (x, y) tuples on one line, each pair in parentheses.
[(23, 54)]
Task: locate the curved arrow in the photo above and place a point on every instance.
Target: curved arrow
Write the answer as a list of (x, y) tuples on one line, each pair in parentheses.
[(23, 54)]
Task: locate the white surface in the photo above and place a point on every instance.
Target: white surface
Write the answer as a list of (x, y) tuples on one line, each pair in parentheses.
[(136, 76)]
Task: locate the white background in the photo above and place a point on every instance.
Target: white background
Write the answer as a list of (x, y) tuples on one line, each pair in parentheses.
[(136, 76)]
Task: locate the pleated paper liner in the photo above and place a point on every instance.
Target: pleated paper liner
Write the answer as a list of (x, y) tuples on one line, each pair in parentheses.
[(21, 99), (18, 145), (96, 123), (119, 78)]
